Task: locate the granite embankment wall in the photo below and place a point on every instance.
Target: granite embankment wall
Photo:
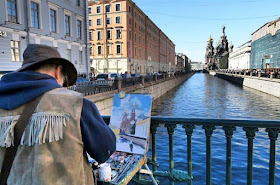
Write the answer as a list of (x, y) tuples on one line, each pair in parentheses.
[(104, 101), (266, 85)]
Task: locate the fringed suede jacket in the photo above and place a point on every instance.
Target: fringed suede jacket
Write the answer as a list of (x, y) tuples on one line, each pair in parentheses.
[(62, 129)]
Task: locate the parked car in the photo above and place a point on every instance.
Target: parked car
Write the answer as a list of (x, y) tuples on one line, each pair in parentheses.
[(81, 80), (107, 76), (150, 74), (106, 79), (135, 75)]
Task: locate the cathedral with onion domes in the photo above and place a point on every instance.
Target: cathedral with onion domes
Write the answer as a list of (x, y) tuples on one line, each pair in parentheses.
[(217, 57)]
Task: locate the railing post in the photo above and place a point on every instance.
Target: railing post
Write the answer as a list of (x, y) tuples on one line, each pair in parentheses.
[(250, 133), (142, 79), (153, 129), (189, 132), (208, 132), (170, 129), (273, 135), (229, 132), (119, 84)]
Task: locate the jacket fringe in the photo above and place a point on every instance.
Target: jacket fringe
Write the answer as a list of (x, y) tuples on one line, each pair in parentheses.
[(7, 125), (43, 127)]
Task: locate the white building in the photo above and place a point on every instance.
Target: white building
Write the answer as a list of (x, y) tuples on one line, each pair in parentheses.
[(197, 65), (61, 24), (239, 58)]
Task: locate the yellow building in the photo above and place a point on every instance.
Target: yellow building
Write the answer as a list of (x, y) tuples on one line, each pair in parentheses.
[(123, 38)]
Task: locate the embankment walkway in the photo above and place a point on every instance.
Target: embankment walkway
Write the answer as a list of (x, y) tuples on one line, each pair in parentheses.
[(104, 101), (267, 85)]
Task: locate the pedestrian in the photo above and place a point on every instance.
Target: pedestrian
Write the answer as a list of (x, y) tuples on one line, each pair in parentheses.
[(63, 127)]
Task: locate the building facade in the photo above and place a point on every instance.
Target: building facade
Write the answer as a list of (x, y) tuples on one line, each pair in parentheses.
[(124, 39), (265, 51), (239, 58), (60, 24), (197, 65), (180, 61)]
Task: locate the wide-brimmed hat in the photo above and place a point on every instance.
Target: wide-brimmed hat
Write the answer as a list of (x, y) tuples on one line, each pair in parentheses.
[(37, 54)]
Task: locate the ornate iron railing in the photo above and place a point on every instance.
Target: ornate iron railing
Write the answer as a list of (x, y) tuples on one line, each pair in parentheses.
[(209, 125)]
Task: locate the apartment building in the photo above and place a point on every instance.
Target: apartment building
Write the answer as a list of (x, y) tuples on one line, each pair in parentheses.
[(265, 46), (123, 38), (61, 24)]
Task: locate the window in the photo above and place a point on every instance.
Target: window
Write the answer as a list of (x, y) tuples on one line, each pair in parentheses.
[(79, 29), (98, 9), (80, 57), (108, 34), (15, 51), (99, 34), (78, 3), (90, 35), (118, 19), (130, 34), (91, 50), (130, 21), (118, 7), (12, 10), (35, 15), (135, 26), (98, 21), (108, 20), (67, 25), (139, 39), (135, 51), (108, 8), (99, 50), (69, 54), (118, 49), (129, 9), (118, 33), (139, 52), (89, 10), (90, 22), (53, 20), (135, 37)]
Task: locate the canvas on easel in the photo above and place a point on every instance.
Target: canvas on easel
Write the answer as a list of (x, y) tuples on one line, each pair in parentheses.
[(130, 121)]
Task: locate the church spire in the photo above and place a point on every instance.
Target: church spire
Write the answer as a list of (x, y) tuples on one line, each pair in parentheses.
[(224, 30), (210, 39)]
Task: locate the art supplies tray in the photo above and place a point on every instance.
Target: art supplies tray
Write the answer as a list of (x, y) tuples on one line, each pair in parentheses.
[(123, 167)]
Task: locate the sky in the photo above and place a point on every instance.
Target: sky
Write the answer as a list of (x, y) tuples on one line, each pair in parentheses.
[(189, 23)]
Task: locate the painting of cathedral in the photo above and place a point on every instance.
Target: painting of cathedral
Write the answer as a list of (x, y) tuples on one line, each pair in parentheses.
[(130, 121)]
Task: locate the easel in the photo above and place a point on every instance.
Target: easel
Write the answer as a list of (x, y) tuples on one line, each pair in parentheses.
[(148, 172), (124, 175)]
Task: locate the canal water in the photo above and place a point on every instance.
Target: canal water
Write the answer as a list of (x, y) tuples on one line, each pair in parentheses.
[(206, 96)]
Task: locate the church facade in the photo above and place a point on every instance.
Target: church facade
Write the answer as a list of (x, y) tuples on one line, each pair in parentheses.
[(217, 57)]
